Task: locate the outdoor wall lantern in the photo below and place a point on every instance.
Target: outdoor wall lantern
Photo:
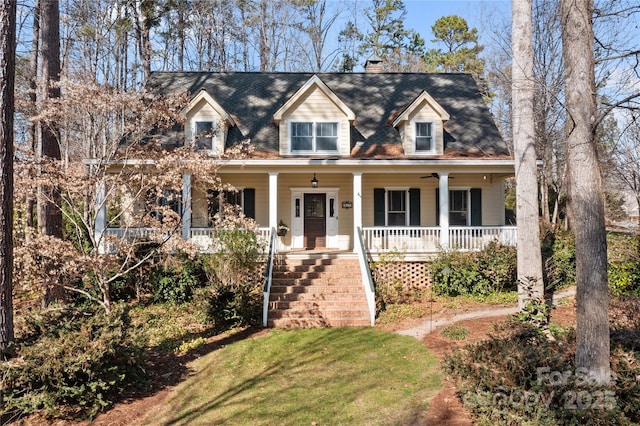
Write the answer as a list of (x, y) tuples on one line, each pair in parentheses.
[(314, 181)]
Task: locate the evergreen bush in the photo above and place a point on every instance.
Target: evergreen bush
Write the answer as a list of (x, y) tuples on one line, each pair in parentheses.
[(72, 364), (176, 280), (624, 278), (480, 273)]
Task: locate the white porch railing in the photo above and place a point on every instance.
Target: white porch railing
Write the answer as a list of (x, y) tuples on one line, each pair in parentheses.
[(408, 239), (262, 232), (131, 232), (474, 238), (401, 239), (405, 239), (108, 243), (203, 238)]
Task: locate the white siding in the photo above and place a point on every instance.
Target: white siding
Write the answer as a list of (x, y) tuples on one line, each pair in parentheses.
[(316, 106), (423, 113), (202, 111)]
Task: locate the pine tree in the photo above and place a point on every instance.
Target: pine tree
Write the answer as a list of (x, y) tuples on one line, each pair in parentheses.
[(7, 80)]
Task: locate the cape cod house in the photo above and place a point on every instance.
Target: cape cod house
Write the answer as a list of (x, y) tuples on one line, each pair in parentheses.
[(354, 164)]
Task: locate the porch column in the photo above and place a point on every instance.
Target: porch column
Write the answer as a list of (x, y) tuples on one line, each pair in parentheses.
[(444, 210), (186, 205), (357, 207), (101, 215), (273, 200)]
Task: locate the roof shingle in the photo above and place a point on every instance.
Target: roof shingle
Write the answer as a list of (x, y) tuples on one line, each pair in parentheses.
[(375, 98)]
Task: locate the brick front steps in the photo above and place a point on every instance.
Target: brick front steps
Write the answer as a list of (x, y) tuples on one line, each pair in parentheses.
[(317, 290)]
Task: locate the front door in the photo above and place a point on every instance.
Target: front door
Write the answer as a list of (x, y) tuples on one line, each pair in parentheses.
[(315, 224)]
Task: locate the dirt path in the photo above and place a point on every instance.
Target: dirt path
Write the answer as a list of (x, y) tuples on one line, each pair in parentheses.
[(429, 325), (446, 409)]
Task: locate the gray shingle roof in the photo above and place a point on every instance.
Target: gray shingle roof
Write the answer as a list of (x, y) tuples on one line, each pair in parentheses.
[(252, 99)]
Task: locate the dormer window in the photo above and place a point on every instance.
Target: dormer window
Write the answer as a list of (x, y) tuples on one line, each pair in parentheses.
[(314, 121), (207, 124), (424, 136), (421, 126), (310, 137), (205, 135)]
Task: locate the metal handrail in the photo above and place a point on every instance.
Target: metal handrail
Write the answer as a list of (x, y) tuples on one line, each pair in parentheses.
[(367, 280), (268, 275)]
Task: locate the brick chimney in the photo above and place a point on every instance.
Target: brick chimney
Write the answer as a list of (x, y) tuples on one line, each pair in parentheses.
[(373, 64)]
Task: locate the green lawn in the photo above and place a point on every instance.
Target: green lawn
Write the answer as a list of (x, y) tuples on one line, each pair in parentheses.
[(330, 376)]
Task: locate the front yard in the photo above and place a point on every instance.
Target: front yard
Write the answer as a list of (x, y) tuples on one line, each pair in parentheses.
[(314, 376)]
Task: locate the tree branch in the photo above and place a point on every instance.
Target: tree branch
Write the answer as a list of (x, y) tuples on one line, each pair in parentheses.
[(611, 107), (621, 56)]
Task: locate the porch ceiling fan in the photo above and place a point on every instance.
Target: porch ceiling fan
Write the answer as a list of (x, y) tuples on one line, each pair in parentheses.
[(434, 175)]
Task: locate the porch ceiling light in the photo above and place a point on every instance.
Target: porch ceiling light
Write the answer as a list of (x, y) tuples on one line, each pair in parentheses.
[(314, 181)]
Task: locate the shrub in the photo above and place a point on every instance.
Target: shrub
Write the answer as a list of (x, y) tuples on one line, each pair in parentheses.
[(228, 307), (498, 264), (535, 313), (234, 295), (622, 246), (624, 277), (480, 273), (176, 279), (389, 282), (518, 376), (72, 364), (237, 254)]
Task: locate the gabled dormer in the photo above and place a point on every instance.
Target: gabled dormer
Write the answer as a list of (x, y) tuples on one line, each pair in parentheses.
[(421, 126), (314, 121), (207, 124)]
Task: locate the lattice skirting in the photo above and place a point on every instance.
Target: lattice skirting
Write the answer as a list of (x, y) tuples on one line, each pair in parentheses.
[(414, 276)]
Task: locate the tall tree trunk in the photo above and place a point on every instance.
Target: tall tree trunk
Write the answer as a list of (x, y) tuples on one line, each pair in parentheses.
[(144, 21), (585, 191), (49, 213), (49, 199), (7, 75), (544, 198), (531, 285), (33, 133), (242, 4), (265, 45), (182, 25)]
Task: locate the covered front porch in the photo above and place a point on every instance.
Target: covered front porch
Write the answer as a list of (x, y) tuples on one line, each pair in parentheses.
[(411, 209)]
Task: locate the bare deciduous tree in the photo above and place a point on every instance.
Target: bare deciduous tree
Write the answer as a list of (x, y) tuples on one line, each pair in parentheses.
[(586, 202), (626, 157), (317, 24)]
